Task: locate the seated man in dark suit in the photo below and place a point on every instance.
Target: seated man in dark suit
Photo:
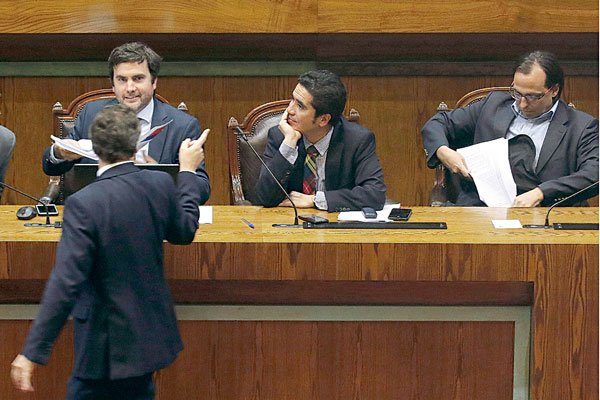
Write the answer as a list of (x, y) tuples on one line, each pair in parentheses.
[(109, 273), (134, 71), (553, 148), (319, 157)]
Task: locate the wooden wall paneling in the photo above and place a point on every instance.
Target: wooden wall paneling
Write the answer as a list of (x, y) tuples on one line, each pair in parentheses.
[(28, 112), (307, 360), (49, 382), (571, 283), (458, 16), (169, 16), (261, 16)]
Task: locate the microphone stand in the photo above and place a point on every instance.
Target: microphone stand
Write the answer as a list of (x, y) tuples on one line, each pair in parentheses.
[(240, 133), (580, 226), (57, 224)]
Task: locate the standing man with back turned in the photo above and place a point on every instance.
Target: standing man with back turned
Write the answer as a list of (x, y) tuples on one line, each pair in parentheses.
[(133, 70), (109, 268), (318, 156), (553, 148)]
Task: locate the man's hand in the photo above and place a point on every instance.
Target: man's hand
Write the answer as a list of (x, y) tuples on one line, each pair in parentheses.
[(191, 153), (21, 372), (301, 200), (64, 154), (290, 135), (148, 159), (529, 199), (453, 161)]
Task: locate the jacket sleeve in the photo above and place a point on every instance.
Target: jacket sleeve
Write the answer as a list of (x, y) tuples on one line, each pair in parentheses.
[(267, 193), (74, 263), (454, 129), (586, 171), (369, 188), (183, 203)]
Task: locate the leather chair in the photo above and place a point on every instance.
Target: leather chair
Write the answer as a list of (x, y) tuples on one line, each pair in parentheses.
[(244, 166), (60, 187), (446, 184)]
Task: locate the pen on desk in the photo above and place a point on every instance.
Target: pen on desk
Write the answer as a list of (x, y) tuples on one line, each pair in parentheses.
[(250, 225)]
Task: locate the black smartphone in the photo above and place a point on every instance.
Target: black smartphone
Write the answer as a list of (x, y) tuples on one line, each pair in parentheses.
[(400, 214), (41, 209), (369, 213), (315, 219)]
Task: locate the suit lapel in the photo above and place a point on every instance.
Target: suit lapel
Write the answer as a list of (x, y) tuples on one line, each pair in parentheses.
[(504, 117), (554, 135), (334, 157), (157, 145)]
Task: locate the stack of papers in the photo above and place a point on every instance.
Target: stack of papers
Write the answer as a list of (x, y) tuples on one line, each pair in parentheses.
[(83, 147), (490, 169)]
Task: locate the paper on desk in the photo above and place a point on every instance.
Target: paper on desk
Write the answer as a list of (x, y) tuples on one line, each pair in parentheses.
[(506, 223), (84, 147), (205, 214), (490, 169), (382, 216)]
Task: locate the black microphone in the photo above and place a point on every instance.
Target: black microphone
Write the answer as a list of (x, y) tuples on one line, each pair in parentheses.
[(566, 226), (240, 133), (57, 224)]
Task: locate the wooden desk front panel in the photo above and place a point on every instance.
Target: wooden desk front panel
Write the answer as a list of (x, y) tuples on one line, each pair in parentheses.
[(563, 267), (310, 360)]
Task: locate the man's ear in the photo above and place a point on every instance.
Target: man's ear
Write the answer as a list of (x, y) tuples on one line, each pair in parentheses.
[(324, 119)]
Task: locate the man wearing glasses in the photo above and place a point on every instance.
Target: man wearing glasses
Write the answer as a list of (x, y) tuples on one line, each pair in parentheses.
[(553, 148)]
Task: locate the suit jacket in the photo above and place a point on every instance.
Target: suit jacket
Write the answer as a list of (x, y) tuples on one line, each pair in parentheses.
[(164, 148), (568, 160), (353, 176), (109, 273)]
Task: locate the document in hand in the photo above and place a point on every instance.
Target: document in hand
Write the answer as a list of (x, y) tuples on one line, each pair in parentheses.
[(490, 169), (83, 147)]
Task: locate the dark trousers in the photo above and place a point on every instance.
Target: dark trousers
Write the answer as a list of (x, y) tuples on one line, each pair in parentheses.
[(137, 388)]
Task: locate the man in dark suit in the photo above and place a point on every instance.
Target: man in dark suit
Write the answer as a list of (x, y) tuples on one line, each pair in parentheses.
[(553, 147), (109, 268), (341, 171), (134, 71)]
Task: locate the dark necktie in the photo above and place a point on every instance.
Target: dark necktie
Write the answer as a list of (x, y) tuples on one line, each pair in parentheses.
[(309, 185)]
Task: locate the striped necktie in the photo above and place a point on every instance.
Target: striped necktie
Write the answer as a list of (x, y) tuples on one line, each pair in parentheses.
[(309, 185)]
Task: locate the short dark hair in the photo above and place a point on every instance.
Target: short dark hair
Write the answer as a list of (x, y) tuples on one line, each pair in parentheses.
[(115, 132), (548, 63), (134, 52), (328, 92)]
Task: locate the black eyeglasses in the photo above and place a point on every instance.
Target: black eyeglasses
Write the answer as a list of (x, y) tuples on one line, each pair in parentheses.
[(515, 94)]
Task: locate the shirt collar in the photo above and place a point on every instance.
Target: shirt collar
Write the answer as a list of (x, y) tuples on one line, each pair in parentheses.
[(547, 116), (146, 112), (109, 166), (322, 145)]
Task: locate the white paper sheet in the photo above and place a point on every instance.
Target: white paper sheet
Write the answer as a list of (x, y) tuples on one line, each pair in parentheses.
[(490, 169), (83, 148), (506, 223), (382, 215), (206, 215)]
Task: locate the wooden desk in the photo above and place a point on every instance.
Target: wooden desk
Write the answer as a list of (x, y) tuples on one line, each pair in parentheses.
[(469, 264)]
